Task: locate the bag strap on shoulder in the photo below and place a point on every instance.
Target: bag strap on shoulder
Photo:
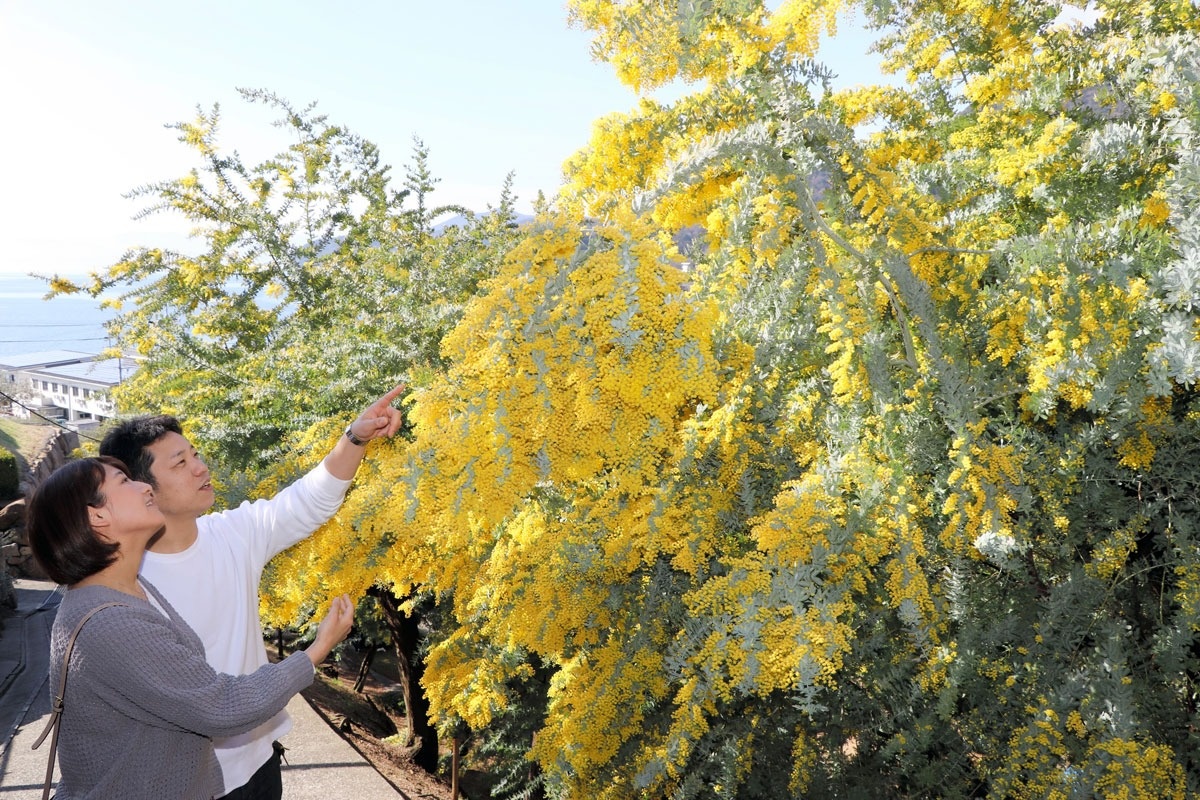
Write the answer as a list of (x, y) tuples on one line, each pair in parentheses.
[(57, 707)]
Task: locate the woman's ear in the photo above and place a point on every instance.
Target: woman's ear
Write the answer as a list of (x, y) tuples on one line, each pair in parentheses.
[(98, 518)]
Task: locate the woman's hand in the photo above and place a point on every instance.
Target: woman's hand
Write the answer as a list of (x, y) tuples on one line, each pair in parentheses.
[(333, 629)]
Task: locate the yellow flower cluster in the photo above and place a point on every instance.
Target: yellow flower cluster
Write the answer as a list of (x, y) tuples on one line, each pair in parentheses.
[(860, 105), (1156, 210), (1136, 452), (633, 151), (645, 54), (1098, 322), (804, 759), (650, 42), (1109, 556), (597, 701), (979, 500), (1006, 336), (1038, 764), (797, 25), (1025, 161), (467, 677), (1034, 765), (843, 319), (625, 150), (1137, 770)]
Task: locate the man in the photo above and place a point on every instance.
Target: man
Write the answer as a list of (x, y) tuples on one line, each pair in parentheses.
[(208, 565)]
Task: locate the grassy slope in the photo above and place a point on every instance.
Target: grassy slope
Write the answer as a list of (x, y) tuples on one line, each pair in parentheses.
[(21, 438)]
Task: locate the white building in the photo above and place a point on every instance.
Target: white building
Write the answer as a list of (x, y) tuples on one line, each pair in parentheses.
[(64, 385)]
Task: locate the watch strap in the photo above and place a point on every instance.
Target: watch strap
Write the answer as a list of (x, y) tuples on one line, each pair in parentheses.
[(354, 439)]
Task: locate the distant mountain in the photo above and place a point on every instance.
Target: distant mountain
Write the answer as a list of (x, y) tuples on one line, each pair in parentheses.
[(459, 220)]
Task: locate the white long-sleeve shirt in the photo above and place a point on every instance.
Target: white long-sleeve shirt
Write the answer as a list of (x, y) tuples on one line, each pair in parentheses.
[(214, 587)]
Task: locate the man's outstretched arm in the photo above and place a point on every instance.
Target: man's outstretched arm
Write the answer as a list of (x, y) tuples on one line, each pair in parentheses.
[(378, 420)]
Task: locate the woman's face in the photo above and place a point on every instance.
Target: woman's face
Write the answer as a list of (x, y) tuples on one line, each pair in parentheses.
[(130, 507)]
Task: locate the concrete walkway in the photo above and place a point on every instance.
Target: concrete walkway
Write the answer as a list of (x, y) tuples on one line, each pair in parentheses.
[(320, 764)]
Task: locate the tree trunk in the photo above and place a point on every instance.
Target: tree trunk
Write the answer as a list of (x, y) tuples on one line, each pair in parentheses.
[(454, 771), (365, 668), (405, 640)]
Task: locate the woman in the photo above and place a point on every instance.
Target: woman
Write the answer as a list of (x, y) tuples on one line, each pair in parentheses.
[(141, 702)]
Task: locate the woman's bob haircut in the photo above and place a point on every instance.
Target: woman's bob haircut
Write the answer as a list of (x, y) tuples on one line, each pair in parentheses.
[(60, 531)]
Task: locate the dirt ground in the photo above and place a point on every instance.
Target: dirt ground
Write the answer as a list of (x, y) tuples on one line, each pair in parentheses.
[(370, 720)]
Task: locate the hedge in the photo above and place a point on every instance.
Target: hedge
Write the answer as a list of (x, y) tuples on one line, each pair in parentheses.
[(10, 476)]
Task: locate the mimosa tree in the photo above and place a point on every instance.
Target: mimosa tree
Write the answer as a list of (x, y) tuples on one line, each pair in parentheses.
[(890, 492), (887, 488)]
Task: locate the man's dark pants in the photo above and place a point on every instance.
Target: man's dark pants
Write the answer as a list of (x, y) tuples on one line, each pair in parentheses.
[(266, 783)]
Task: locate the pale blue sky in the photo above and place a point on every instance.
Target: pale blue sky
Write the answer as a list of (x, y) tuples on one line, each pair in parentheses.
[(491, 86)]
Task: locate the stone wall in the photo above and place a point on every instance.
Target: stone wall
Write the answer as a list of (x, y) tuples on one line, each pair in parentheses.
[(53, 455), (15, 553)]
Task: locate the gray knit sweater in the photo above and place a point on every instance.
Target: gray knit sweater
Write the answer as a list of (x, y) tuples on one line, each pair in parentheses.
[(142, 703)]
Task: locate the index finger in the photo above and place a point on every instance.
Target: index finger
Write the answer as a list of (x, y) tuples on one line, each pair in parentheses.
[(387, 399)]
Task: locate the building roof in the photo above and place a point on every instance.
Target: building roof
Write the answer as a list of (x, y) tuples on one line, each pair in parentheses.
[(45, 358), (107, 372)]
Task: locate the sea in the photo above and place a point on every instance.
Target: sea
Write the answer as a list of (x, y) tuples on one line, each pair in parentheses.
[(30, 324)]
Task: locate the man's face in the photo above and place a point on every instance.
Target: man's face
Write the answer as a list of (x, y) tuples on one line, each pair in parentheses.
[(181, 478)]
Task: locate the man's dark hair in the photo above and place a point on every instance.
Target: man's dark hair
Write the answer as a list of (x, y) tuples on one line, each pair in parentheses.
[(60, 531), (129, 441)]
